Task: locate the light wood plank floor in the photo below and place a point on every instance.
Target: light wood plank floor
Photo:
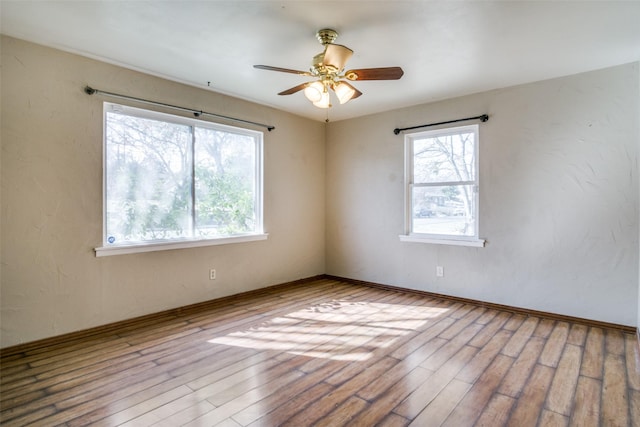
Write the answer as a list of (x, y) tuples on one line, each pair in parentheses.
[(329, 353)]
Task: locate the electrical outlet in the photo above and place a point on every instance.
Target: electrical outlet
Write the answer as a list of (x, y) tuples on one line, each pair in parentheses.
[(439, 271), (212, 274)]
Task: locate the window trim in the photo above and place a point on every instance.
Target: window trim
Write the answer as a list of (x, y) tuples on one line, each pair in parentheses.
[(442, 239), (467, 241), (160, 245), (170, 245)]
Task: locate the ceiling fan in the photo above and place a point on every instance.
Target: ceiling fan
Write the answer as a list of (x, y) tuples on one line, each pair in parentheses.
[(327, 68)]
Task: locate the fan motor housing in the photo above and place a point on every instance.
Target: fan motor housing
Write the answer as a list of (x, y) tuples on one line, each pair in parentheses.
[(326, 36)]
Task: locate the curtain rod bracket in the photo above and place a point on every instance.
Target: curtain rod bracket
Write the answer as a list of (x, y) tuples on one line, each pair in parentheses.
[(483, 118), (91, 91)]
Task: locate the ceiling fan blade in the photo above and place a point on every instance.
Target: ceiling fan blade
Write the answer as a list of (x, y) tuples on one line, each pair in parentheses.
[(282, 70), (336, 56), (294, 89), (385, 73)]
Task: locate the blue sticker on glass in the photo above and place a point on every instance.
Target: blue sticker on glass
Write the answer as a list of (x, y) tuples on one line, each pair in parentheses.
[(111, 239)]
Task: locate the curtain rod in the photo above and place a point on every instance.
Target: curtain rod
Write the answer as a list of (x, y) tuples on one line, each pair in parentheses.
[(91, 91), (482, 118)]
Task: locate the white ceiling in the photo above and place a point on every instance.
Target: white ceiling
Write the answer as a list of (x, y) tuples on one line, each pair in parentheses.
[(446, 48)]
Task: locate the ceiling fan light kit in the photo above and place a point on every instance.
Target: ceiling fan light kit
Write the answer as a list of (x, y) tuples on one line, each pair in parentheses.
[(327, 68)]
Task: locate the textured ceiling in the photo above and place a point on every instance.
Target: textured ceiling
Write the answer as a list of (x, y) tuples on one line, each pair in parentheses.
[(446, 49)]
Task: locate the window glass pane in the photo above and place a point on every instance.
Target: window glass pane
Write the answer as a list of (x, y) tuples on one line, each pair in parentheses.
[(444, 158), (444, 210), (171, 178), (148, 180), (225, 183)]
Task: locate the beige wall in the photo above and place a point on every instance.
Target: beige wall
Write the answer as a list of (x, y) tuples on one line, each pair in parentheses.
[(52, 283), (558, 201)]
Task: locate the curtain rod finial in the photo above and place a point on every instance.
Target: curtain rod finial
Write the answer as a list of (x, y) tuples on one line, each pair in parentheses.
[(89, 90)]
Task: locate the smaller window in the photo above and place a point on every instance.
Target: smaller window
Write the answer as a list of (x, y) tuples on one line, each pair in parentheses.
[(441, 195)]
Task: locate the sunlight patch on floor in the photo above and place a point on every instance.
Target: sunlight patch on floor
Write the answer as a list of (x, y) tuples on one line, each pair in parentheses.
[(339, 330)]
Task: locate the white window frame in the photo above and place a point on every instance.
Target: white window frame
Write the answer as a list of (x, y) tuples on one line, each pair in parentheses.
[(444, 239), (190, 242)]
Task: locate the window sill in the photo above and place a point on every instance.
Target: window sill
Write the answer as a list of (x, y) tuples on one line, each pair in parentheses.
[(478, 243), (165, 246)]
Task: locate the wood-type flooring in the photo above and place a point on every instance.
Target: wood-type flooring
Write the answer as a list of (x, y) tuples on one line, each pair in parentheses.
[(328, 353)]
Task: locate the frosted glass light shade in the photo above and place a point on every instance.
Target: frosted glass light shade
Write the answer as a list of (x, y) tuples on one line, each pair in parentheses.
[(324, 102), (344, 92), (314, 91)]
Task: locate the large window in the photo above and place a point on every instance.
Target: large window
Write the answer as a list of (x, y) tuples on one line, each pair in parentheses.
[(175, 179), (442, 186)]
